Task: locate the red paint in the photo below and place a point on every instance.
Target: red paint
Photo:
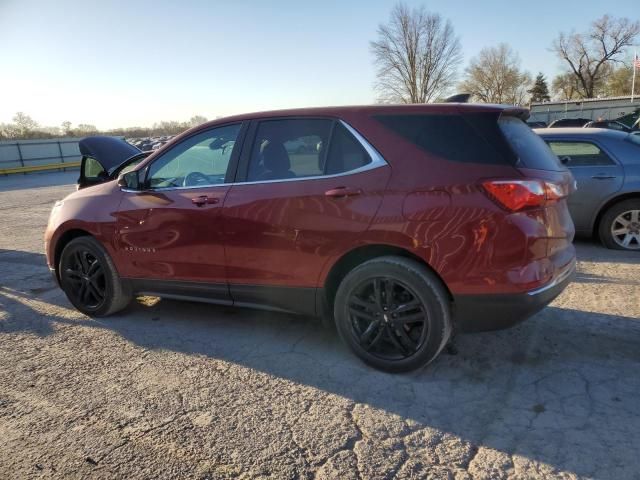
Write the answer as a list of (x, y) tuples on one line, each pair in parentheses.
[(292, 233)]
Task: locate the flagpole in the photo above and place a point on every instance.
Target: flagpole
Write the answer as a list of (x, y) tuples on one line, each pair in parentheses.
[(635, 67)]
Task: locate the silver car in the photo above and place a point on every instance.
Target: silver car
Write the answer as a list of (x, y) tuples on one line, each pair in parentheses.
[(606, 166)]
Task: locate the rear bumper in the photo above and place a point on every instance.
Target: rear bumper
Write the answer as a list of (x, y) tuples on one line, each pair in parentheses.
[(479, 313)]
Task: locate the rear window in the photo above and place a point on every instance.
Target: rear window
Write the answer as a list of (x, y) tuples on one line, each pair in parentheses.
[(449, 136), (531, 150)]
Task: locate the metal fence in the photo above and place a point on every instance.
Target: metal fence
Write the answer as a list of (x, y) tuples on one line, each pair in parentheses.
[(18, 156)]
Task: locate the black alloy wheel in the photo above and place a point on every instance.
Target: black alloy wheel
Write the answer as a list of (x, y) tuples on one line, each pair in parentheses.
[(394, 313), (89, 278), (85, 277), (387, 318)]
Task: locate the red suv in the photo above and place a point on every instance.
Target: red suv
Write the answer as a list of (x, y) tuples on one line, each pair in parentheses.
[(403, 223)]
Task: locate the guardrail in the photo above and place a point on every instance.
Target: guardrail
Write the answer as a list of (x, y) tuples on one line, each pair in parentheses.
[(39, 168), (25, 156)]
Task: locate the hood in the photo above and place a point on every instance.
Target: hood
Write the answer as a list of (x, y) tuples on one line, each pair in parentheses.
[(109, 151)]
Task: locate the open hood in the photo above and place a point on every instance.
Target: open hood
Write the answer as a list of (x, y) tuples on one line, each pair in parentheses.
[(110, 152)]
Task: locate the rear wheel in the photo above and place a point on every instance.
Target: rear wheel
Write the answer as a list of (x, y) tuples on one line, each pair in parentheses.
[(89, 278), (620, 226), (393, 313)]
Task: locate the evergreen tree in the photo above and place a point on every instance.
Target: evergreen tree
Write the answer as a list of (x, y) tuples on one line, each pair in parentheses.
[(540, 90)]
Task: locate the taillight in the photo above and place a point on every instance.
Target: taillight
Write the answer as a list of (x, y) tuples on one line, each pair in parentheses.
[(518, 195)]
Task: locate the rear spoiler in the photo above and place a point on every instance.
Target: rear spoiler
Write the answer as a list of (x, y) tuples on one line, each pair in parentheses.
[(518, 112), (458, 98)]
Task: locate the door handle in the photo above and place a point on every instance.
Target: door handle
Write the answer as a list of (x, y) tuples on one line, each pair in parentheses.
[(204, 200), (341, 192), (602, 176)]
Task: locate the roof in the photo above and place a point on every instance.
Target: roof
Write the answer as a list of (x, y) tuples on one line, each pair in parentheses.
[(372, 109)]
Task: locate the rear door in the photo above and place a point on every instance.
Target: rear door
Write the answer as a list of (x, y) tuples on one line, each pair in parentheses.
[(597, 173), (307, 189)]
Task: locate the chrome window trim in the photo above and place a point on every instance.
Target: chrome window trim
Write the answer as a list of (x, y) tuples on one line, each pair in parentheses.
[(377, 161), (167, 189)]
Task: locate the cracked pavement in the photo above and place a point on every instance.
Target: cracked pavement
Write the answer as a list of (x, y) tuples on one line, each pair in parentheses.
[(181, 390)]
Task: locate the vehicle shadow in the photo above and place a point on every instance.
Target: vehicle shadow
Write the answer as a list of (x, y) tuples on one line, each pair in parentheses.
[(555, 389), (550, 390)]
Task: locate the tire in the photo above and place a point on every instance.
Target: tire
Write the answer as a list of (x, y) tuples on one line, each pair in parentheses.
[(92, 285), (388, 339), (625, 211)]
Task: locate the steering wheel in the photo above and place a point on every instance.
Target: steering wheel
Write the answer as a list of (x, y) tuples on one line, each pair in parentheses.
[(193, 179)]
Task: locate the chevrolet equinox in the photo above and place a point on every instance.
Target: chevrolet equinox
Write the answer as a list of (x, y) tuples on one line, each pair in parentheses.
[(404, 224)]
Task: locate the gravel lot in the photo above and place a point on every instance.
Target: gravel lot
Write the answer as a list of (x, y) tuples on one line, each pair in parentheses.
[(181, 390)]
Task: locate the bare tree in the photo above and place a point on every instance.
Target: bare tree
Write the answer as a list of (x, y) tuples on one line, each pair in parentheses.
[(197, 120), (565, 86), (588, 54), (417, 55), (66, 127), (494, 76), (619, 81), (24, 124)]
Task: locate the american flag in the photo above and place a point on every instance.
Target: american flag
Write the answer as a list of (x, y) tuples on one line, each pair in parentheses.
[(636, 62)]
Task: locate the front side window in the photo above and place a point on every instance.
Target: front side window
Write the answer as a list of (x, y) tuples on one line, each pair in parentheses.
[(199, 161), (580, 154), (302, 148)]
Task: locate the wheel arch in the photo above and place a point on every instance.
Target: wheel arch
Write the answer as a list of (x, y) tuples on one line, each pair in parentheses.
[(635, 195), (62, 242), (357, 256)]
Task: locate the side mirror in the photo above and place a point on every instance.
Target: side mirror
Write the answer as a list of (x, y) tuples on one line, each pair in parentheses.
[(565, 160), (129, 180)]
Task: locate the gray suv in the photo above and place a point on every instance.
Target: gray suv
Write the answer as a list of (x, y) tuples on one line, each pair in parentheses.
[(606, 166)]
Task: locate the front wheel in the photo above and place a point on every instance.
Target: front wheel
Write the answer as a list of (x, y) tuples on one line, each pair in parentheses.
[(393, 313), (89, 278), (620, 226)]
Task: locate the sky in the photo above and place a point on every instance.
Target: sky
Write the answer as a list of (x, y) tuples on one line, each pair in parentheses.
[(135, 62)]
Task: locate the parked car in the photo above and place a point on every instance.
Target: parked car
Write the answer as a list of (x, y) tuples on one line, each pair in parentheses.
[(569, 122), (609, 124), (606, 166), (403, 223), (537, 124)]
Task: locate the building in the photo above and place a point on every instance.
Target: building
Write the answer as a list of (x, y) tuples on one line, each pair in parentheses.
[(611, 108)]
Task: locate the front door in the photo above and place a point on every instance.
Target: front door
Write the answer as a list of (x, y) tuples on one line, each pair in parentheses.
[(598, 176), (307, 189), (170, 234)]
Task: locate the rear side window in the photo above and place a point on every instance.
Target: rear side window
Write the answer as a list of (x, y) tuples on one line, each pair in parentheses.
[(580, 154), (289, 148), (345, 152), (303, 148), (531, 150), (448, 136)]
